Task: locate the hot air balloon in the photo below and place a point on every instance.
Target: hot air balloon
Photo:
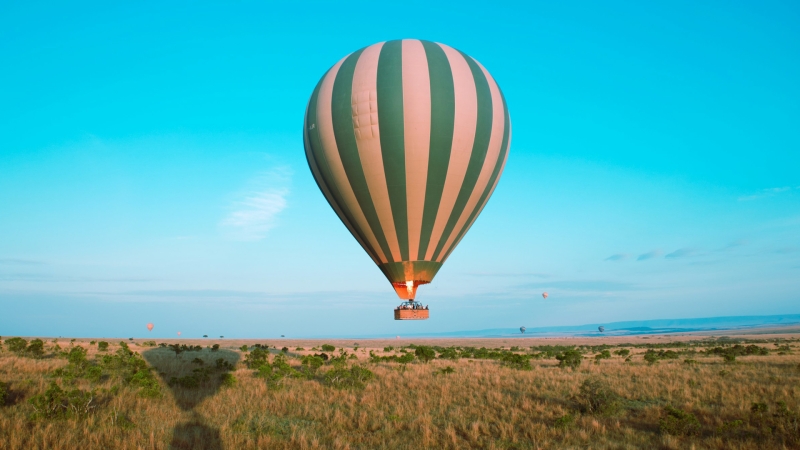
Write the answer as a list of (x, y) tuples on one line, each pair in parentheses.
[(545, 295), (601, 328), (149, 327), (179, 333), (407, 140), (522, 330)]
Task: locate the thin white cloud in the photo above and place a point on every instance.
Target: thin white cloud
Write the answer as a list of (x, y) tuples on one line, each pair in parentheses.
[(681, 252), (255, 212), (649, 255), (618, 257), (764, 193)]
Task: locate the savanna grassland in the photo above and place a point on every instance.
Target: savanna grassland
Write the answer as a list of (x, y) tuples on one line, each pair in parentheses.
[(665, 392)]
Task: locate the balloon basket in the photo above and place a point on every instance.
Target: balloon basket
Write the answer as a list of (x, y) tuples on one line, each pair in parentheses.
[(411, 314)]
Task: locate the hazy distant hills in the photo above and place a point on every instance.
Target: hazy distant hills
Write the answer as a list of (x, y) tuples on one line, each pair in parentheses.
[(629, 328)]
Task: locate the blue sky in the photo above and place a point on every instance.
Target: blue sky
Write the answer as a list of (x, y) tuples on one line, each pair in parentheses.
[(152, 169)]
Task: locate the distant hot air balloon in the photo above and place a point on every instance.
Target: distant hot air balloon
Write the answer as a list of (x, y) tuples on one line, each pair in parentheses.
[(522, 330), (179, 333), (407, 140), (601, 328), (545, 295), (149, 327)]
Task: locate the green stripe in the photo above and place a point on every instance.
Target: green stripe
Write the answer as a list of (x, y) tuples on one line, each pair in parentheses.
[(390, 118), (341, 109), (480, 145), (443, 110), (312, 142), (484, 197), (397, 272)]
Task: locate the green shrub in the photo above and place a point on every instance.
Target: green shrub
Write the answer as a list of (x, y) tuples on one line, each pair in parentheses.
[(679, 423), (328, 348), (570, 358), (311, 364), (227, 380), (215, 348), (35, 348), (256, 358), (355, 377), (651, 357), (595, 397), (605, 354), (17, 345), (102, 346), (388, 349), (285, 349), (516, 361), (425, 353), (4, 393), (56, 403), (565, 421), (690, 362), (445, 371), (623, 352), (221, 364), (148, 344), (449, 353), (244, 348)]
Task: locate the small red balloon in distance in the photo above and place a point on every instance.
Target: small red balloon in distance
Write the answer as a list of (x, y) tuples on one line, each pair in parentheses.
[(149, 327), (179, 333), (545, 295)]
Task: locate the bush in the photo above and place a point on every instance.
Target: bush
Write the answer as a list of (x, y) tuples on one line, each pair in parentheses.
[(328, 348), (651, 357), (623, 352), (565, 421), (449, 353), (215, 348), (227, 380), (36, 348), (311, 364), (149, 344), (244, 348), (690, 362), (595, 397), (445, 371), (516, 361), (256, 358), (679, 423), (355, 377), (605, 354), (4, 393), (569, 358), (17, 345), (56, 403), (102, 346), (388, 349), (424, 353), (285, 349)]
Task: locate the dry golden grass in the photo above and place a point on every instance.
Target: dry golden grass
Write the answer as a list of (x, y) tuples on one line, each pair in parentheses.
[(480, 405)]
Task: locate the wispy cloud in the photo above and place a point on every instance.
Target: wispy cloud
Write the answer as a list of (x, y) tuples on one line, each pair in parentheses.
[(764, 193), (649, 255), (735, 244), (681, 252), (255, 211), (618, 257)]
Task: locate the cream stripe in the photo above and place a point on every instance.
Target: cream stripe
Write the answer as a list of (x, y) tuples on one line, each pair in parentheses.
[(312, 162), (417, 135), (492, 153), (325, 124), (466, 119), (367, 131)]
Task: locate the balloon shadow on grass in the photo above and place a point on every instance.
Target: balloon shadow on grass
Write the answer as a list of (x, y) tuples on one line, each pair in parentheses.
[(192, 376)]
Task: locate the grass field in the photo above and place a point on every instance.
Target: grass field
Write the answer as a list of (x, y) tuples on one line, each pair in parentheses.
[(696, 391)]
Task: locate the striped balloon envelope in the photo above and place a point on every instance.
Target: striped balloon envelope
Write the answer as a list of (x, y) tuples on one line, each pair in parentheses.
[(407, 140)]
